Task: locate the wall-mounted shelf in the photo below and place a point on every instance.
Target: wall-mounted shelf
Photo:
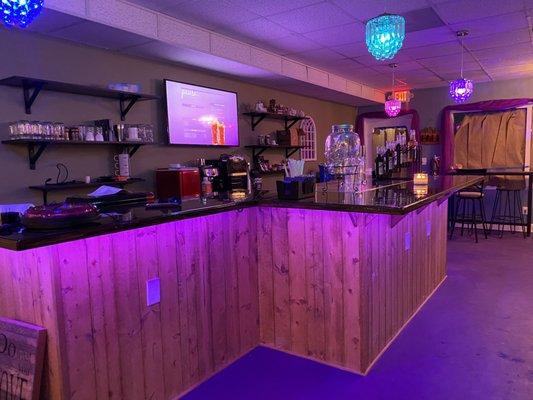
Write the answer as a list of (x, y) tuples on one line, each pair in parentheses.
[(31, 88), (257, 150), (257, 117), (57, 187), (36, 147)]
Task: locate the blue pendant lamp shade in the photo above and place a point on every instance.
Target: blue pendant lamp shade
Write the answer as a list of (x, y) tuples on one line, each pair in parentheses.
[(384, 35), (20, 12)]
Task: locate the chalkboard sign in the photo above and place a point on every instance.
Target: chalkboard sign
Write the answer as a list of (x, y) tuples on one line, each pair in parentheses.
[(21, 359)]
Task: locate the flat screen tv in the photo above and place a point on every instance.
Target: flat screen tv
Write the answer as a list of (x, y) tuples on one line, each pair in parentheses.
[(201, 116)]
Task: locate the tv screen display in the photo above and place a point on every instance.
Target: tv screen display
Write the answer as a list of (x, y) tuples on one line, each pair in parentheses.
[(199, 115)]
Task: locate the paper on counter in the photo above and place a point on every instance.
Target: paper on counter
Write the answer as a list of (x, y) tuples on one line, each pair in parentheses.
[(105, 191), (20, 208)]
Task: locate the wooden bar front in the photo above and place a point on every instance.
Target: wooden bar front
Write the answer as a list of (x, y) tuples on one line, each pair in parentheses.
[(328, 285)]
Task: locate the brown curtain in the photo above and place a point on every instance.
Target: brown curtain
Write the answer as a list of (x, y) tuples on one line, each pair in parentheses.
[(491, 141)]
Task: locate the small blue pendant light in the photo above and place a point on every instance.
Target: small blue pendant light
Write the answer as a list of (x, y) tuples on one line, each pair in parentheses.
[(20, 13)]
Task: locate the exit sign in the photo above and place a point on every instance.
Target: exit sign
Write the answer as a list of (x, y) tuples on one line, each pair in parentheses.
[(404, 96)]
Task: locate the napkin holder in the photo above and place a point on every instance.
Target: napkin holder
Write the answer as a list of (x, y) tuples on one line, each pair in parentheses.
[(301, 187)]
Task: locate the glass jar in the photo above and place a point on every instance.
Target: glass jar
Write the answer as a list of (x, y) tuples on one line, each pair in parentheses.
[(343, 151)]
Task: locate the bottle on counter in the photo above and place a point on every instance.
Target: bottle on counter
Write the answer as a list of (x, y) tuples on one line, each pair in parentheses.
[(207, 187)]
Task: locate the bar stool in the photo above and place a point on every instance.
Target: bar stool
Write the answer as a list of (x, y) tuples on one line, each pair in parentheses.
[(507, 207), (468, 198)]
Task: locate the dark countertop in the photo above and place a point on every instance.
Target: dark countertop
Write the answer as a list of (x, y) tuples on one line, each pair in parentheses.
[(392, 197), (388, 197)]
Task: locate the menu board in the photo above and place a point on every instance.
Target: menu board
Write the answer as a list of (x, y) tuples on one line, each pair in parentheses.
[(199, 115)]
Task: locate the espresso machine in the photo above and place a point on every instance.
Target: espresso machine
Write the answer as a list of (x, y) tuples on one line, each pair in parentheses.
[(233, 173)]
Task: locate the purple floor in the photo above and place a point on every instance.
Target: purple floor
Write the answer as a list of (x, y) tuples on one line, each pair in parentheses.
[(472, 340)]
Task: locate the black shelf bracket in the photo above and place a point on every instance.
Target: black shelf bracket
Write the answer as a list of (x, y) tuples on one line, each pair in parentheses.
[(290, 152), (125, 108), (133, 149), (30, 97), (34, 155), (289, 125), (256, 119), (257, 152)]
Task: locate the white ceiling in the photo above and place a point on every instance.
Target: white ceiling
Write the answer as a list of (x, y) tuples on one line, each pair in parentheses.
[(330, 35)]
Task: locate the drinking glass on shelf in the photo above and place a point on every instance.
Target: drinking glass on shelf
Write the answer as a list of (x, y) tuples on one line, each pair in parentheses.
[(83, 132), (13, 130)]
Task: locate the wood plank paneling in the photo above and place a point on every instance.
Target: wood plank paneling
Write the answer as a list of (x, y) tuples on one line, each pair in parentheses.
[(332, 286)]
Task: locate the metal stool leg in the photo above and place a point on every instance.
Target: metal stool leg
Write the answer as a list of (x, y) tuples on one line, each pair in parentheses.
[(474, 219), (455, 210), (494, 209), (463, 201), (483, 219), (518, 198)]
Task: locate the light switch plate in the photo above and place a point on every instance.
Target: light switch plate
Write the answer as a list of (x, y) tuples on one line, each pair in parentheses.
[(153, 291), (407, 241), (424, 161)]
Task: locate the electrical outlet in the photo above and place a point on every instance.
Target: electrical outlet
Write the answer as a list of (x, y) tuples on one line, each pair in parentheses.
[(153, 291), (524, 210), (424, 161)]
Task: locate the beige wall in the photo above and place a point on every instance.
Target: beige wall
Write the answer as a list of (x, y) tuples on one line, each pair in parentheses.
[(36, 56)]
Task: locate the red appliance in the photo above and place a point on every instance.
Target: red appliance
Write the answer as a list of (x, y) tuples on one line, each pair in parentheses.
[(180, 183)]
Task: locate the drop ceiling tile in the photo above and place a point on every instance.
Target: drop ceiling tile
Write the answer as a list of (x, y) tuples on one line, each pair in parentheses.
[(351, 67), (256, 30), (476, 75), (338, 35), (465, 10), (320, 58), (508, 61), (351, 50), (523, 49), (429, 37), (436, 50), (401, 67), (211, 14), (498, 39), (444, 62), (524, 69), (103, 36), (492, 25), (271, 7), (441, 67), (312, 18), (364, 10), (293, 43), (422, 19), (369, 60)]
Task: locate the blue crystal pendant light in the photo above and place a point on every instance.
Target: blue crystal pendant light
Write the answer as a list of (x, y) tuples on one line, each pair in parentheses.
[(461, 89), (384, 35), (20, 13)]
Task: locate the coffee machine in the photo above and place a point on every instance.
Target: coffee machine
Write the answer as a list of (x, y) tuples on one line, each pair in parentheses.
[(233, 173)]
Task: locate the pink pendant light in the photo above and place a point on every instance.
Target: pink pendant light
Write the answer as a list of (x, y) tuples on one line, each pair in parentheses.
[(461, 89), (393, 106)]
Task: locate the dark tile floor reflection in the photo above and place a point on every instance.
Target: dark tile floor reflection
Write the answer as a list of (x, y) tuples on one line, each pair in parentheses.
[(472, 340)]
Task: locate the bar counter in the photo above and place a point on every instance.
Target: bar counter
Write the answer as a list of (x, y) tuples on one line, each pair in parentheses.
[(333, 279), (388, 197)]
